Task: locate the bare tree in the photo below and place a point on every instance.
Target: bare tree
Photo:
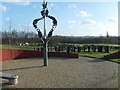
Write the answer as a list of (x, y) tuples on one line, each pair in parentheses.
[(10, 29), (14, 37)]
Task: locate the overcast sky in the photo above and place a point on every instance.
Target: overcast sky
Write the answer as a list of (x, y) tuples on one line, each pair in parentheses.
[(74, 18)]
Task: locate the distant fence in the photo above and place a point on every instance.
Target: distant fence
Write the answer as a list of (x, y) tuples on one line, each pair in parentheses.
[(7, 54)]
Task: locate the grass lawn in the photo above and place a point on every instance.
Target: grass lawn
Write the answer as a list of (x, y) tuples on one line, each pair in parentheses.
[(116, 60), (96, 44), (18, 47), (100, 55), (93, 55)]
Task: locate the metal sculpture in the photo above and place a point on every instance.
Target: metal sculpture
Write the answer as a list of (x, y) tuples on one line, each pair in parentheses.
[(45, 38)]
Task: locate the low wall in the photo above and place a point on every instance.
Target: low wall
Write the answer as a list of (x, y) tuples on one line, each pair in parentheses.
[(7, 54), (115, 55)]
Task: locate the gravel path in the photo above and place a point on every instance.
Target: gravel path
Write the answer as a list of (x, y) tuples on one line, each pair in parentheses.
[(63, 73)]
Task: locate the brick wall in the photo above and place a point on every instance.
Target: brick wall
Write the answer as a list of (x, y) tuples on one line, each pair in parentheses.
[(7, 54)]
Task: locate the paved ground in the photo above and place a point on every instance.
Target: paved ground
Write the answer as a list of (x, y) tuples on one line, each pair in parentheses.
[(63, 73)]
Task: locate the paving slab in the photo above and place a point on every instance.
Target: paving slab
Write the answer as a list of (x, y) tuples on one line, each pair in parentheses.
[(62, 73)]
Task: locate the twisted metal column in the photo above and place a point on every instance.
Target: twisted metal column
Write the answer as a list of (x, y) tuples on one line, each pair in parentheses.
[(45, 38)]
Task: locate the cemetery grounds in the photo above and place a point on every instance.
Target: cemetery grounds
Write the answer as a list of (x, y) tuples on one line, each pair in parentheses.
[(98, 73), (113, 48)]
